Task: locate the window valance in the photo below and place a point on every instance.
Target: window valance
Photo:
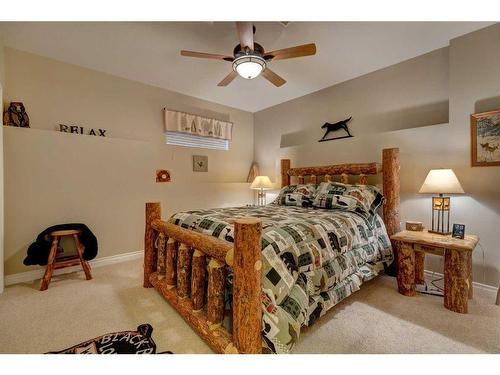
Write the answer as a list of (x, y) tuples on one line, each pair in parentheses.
[(183, 122)]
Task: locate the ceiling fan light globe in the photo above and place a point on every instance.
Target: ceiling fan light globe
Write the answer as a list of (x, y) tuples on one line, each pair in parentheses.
[(249, 70), (249, 67)]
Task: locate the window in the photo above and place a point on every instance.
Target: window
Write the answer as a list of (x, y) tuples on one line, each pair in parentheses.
[(191, 140)]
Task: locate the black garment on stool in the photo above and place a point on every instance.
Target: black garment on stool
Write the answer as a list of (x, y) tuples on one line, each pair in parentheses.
[(38, 252)]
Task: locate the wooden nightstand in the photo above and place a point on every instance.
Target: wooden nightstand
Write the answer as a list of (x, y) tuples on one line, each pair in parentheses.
[(457, 253)]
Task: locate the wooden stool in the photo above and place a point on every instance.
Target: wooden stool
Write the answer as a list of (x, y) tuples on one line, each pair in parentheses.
[(64, 262)]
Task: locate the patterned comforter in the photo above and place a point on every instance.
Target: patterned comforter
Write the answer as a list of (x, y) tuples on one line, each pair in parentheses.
[(312, 259)]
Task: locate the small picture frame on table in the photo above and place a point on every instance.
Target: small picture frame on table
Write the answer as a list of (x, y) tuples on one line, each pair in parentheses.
[(458, 231)]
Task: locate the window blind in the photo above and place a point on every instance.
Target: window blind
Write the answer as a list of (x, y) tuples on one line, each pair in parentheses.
[(195, 141)]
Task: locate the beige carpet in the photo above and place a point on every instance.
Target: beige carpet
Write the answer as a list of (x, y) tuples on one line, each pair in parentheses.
[(374, 320)]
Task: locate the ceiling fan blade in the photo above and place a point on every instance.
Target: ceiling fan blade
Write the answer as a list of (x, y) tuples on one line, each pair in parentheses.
[(227, 79), (272, 77), (245, 33), (204, 55), (291, 52)]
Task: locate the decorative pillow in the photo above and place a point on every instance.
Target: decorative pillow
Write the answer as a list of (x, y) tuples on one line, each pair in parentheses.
[(364, 199), (296, 195)]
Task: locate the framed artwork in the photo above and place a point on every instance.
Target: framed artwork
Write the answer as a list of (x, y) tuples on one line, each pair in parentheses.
[(458, 231), (200, 163), (485, 139), (162, 175)]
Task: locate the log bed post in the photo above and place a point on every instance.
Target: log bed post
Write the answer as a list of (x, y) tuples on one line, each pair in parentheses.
[(391, 186), (247, 292), (153, 213), (285, 177)]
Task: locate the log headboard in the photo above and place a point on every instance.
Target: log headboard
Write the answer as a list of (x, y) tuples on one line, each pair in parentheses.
[(390, 180)]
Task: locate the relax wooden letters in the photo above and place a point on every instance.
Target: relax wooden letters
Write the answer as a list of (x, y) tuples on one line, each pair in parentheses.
[(81, 130)]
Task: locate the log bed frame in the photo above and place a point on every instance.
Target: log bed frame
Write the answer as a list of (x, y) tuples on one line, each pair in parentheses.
[(189, 268)]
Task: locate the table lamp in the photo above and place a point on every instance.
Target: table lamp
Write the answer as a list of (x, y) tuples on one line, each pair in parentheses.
[(261, 183), (441, 181)]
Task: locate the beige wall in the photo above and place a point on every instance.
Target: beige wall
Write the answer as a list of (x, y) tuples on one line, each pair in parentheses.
[(406, 95), (2, 80), (390, 108), (2, 62), (53, 177), (475, 87)]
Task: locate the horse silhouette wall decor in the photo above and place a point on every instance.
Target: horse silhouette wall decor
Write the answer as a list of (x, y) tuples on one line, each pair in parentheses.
[(341, 125)]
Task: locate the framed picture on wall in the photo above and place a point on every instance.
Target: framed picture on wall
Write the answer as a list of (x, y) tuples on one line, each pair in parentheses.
[(200, 163), (485, 139)]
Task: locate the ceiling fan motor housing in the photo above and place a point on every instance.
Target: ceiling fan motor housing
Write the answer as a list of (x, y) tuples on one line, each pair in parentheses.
[(257, 50)]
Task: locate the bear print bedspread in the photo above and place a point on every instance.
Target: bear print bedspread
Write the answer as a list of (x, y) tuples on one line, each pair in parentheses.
[(312, 259)]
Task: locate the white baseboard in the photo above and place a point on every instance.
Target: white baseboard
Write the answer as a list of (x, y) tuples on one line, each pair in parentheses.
[(28, 276), (475, 284)]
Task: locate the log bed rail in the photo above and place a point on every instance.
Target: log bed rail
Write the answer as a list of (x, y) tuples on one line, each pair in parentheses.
[(188, 268)]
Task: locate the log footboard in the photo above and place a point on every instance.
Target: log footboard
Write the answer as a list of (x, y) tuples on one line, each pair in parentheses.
[(189, 270)]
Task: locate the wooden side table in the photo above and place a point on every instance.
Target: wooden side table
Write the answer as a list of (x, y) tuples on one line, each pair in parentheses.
[(457, 253)]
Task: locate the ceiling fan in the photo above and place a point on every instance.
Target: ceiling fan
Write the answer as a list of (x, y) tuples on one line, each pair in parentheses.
[(250, 59)]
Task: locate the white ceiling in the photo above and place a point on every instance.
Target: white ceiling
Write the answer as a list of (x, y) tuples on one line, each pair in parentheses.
[(149, 52)]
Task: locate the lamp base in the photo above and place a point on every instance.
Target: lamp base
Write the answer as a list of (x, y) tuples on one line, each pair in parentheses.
[(441, 233), (440, 221), (261, 198)]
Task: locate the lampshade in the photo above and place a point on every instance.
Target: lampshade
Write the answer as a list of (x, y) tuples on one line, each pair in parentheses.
[(261, 182), (441, 181)]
